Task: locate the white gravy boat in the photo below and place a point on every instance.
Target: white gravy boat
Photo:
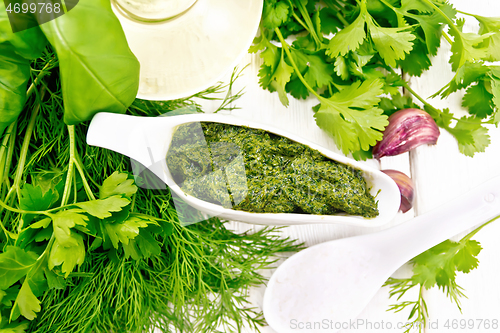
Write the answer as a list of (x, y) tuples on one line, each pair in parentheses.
[(147, 139)]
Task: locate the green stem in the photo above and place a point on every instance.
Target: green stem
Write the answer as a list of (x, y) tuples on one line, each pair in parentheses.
[(80, 168), (42, 73), (417, 96), (307, 18), (448, 39), (4, 152), (7, 233), (21, 211), (294, 65), (69, 176), (475, 231), (296, 17), (26, 143), (343, 20), (10, 153), (437, 113)]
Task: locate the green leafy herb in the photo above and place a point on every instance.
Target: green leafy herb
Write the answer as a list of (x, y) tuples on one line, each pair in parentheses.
[(83, 248), (437, 266), (370, 37)]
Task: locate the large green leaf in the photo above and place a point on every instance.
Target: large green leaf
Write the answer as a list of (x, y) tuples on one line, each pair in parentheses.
[(16, 49), (29, 43), (15, 263), (14, 76), (98, 70)]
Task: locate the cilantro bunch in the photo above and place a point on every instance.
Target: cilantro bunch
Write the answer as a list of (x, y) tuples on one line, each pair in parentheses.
[(348, 53)]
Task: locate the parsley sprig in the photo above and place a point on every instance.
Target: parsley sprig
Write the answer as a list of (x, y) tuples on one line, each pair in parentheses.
[(348, 53)]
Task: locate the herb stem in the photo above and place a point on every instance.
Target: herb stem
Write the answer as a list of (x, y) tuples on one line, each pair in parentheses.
[(20, 211), (69, 176), (417, 96), (448, 39), (79, 167), (302, 23), (10, 152), (26, 143), (294, 65), (342, 19), (7, 233), (307, 18), (42, 73), (475, 231), (4, 152)]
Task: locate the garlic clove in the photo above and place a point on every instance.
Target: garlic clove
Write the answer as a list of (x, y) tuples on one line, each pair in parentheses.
[(406, 188), (407, 129)]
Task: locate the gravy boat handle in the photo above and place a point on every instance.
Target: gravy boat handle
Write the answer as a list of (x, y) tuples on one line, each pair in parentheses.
[(120, 133)]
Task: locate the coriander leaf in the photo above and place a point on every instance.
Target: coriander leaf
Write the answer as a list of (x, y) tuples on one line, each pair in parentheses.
[(362, 155), (117, 183), (466, 74), (495, 90), (275, 13), (305, 43), (265, 77), (14, 327), (329, 21), (417, 5), (8, 297), (471, 136), (102, 208), (63, 221), (465, 260), (466, 47), (124, 232), (142, 246), (68, 256), (349, 38), (44, 223), (319, 73), (360, 58), (478, 100), (270, 54), (33, 199), (26, 304), (341, 68), (15, 263), (391, 43), (280, 78), (43, 235), (431, 25), (351, 128), (395, 103), (417, 61), (297, 89), (490, 25), (54, 281)]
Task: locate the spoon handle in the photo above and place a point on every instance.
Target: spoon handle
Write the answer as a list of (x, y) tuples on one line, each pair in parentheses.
[(478, 206)]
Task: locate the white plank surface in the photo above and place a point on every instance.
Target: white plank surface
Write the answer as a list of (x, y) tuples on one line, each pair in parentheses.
[(440, 174)]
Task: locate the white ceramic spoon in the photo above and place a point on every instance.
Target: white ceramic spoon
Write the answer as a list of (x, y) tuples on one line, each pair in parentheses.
[(146, 140), (332, 282)]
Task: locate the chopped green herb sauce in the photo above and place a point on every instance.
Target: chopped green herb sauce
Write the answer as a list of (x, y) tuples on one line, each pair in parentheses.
[(255, 171)]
